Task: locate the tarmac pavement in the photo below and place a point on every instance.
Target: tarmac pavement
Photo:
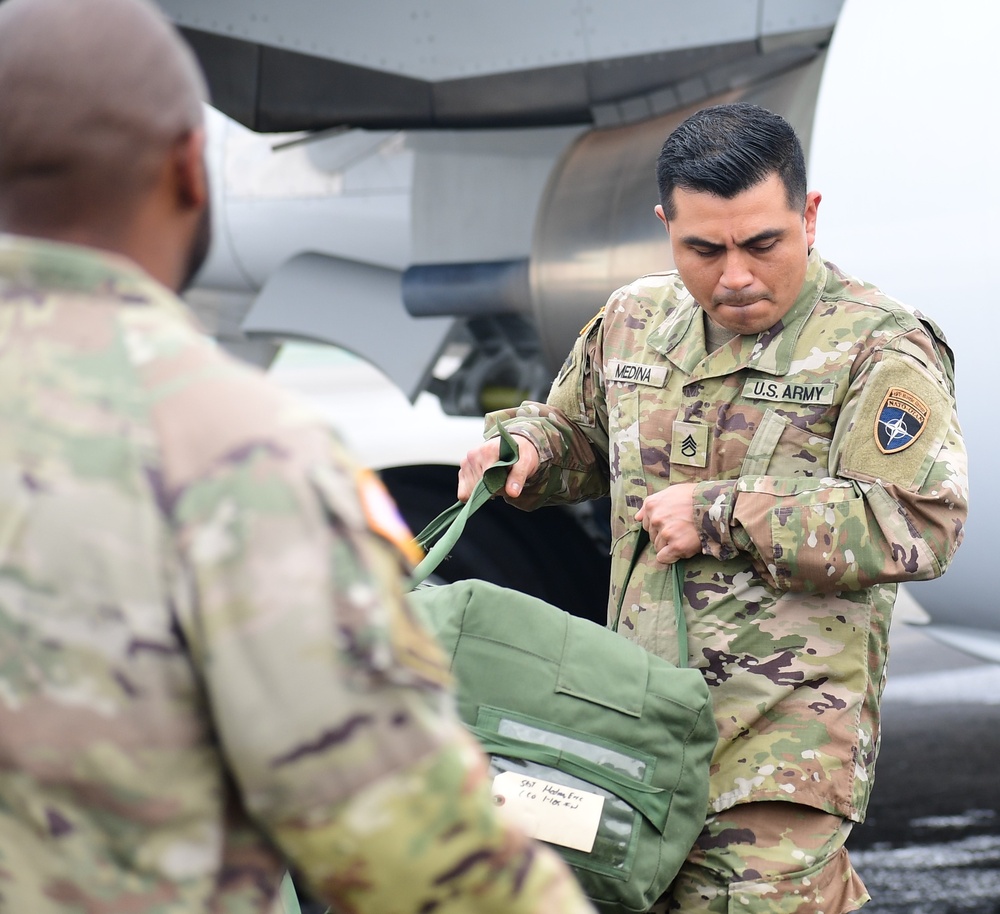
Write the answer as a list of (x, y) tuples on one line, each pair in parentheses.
[(931, 842)]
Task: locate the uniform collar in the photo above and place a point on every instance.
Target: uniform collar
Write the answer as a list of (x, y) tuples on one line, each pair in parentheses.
[(40, 265), (681, 335)]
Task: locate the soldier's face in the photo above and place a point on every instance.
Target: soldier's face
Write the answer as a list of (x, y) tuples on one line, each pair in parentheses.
[(743, 259)]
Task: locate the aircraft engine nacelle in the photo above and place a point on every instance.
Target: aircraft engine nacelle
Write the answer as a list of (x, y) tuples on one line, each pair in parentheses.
[(594, 230)]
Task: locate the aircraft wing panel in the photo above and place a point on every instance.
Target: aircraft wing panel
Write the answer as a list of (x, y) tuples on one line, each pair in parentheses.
[(979, 642), (451, 39), (285, 308), (447, 63)]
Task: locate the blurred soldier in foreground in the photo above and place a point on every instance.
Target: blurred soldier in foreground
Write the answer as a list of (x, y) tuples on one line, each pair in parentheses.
[(788, 435), (208, 669)]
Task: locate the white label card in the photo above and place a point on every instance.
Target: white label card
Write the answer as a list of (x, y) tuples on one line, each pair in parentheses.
[(550, 812)]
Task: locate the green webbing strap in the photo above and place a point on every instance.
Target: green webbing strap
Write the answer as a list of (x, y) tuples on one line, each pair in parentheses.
[(289, 897), (438, 538), (676, 573)]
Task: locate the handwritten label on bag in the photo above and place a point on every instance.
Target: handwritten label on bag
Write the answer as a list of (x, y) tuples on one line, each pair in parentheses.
[(550, 812)]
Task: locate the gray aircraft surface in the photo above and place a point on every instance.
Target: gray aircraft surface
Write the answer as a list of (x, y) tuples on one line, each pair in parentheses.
[(450, 189)]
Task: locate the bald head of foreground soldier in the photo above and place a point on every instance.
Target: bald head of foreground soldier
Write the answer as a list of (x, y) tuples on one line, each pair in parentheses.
[(210, 672), (101, 133)]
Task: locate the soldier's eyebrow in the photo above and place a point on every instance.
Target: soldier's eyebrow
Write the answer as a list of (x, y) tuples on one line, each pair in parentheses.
[(766, 235)]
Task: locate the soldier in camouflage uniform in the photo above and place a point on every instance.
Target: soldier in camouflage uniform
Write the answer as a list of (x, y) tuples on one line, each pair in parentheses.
[(788, 437), (209, 671)]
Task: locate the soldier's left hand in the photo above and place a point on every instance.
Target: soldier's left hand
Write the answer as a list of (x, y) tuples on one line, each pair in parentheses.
[(668, 517)]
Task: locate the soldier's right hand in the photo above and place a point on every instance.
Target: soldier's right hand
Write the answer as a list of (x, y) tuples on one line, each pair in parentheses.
[(479, 458)]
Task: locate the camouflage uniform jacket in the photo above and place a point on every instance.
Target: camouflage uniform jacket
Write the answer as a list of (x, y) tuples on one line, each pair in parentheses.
[(207, 663), (828, 465)]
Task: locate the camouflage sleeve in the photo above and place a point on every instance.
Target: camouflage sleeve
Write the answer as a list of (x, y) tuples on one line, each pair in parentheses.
[(332, 704), (429, 839), (894, 506), (569, 430)]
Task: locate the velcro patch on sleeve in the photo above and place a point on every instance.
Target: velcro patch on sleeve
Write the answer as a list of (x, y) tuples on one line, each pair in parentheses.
[(383, 516), (900, 423)]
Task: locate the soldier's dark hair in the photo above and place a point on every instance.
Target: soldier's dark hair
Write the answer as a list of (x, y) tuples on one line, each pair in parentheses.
[(727, 149)]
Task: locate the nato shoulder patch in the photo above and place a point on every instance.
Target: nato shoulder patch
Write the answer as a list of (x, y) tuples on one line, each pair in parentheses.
[(899, 401), (900, 420)]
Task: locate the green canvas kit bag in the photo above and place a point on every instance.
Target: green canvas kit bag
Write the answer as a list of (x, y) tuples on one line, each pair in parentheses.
[(597, 746)]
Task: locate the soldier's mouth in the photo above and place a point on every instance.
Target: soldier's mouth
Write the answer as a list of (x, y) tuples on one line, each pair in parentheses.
[(739, 301)]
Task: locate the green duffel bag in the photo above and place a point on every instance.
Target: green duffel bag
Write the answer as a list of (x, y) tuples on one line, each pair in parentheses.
[(597, 746)]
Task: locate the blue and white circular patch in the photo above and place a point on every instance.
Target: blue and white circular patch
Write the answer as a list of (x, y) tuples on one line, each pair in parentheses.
[(900, 420)]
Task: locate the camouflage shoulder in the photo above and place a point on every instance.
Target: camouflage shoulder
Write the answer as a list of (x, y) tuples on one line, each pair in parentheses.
[(587, 327), (656, 291), (574, 356), (658, 282), (387, 637)]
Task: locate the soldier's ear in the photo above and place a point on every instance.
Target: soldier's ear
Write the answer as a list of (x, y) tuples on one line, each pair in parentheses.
[(190, 176), (813, 199), (662, 216)]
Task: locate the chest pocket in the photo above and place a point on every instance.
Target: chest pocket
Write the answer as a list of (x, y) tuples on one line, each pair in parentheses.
[(781, 448), (650, 448)]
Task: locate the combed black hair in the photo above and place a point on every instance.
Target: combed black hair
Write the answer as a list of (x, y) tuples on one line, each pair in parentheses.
[(727, 149)]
